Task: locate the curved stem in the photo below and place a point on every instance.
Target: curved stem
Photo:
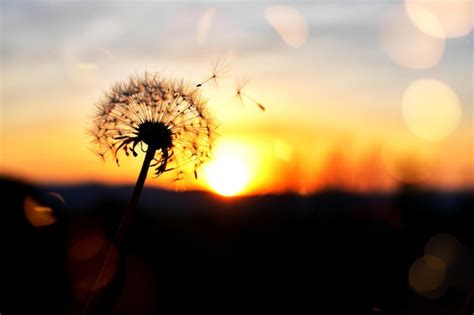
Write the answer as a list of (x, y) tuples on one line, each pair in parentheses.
[(132, 204), (122, 228)]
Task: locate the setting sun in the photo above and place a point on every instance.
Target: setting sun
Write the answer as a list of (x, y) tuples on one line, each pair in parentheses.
[(229, 173)]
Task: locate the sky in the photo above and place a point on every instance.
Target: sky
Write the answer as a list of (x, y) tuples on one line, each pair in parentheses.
[(362, 95)]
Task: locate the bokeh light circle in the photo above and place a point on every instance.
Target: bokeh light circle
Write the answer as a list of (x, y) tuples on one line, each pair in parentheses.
[(430, 109), (87, 247), (38, 214), (443, 246), (427, 274), (442, 19), (289, 23), (405, 44)]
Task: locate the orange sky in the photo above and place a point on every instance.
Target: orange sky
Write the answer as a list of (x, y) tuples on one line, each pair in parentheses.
[(346, 106)]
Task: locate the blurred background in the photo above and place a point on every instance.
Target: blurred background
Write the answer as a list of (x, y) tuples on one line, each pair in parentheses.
[(351, 192)]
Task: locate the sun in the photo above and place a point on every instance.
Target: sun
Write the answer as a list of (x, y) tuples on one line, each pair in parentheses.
[(229, 173)]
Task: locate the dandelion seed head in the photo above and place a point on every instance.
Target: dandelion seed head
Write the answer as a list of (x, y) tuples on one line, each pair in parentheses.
[(150, 112)]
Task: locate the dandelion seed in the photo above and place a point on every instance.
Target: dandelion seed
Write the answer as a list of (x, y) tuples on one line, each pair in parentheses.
[(241, 96), (219, 70)]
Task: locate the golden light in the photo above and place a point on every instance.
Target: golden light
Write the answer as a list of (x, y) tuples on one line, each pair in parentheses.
[(282, 150), (229, 173), (289, 23), (405, 44), (453, 18), (430, 109)]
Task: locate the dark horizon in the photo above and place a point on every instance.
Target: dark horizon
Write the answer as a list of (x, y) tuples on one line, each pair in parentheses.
[(194, 252)]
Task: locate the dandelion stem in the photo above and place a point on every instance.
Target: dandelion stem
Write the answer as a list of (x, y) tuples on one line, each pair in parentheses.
[(124, 222), (132, 204)]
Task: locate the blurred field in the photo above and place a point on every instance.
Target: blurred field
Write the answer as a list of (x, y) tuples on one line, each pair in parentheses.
[(193, 252)]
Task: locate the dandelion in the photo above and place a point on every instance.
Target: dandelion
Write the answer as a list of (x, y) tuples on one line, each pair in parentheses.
[(166, 120), (241, 96)]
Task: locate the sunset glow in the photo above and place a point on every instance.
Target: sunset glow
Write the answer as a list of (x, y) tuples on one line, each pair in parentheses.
[(358, 91), (228, 173), (195, 156)]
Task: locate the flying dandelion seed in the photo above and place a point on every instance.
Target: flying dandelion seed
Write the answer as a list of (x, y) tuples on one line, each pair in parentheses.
[(219, 70), (165, 119), (241, 96)]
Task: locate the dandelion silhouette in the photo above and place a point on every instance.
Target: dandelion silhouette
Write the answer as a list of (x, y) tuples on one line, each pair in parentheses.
[(241, 96), (165, 119)]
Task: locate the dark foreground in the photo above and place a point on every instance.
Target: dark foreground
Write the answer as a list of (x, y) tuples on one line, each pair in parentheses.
[(193, 253)]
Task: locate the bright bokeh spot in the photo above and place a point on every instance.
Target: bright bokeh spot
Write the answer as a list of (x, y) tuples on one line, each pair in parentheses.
[(405, 44), (37, 214), (430, 109), (425, 20), (447, 18), (229, 173), (289, 23)]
